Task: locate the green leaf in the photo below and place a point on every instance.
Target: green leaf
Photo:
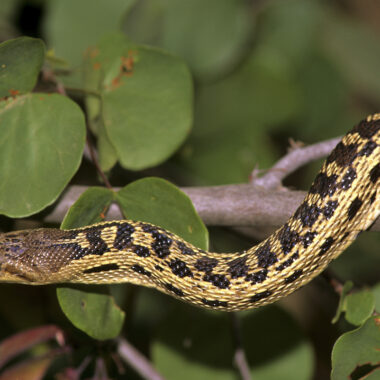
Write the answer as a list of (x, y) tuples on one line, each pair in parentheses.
[(346, 288), (41, 146), (354, 47), (355, 348), (157, 201), (85, 29), (107, 153), (20, 63), (147, 100), (205, 348), (359, 307), (209, 47), (89, 208), (233, 117), (376, 293), (94, 313), (373, 375)]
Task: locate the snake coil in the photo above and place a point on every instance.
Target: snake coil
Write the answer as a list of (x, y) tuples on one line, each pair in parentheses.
[(342, 202)]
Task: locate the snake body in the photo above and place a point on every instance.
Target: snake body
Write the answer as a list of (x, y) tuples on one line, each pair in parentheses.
[(342, 202)]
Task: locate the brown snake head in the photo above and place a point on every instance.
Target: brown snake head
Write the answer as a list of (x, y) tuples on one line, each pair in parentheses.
[(30, 256)]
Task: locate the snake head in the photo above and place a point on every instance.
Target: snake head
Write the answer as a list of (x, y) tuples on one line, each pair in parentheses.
[(12, 248), (24, 257)]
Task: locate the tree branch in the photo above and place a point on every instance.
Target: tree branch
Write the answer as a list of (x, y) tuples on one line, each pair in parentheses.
[(229, 205), (295, 159), (266, 204)]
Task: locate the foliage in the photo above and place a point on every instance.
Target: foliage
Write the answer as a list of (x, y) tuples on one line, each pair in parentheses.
[(199, 93)]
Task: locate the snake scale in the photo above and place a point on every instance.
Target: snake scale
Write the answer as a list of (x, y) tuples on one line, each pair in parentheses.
[(342, 202)]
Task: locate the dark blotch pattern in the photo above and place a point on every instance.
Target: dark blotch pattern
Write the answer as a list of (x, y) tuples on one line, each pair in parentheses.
[(139, 269), (265, 257), (307, 214), (293, 276), (308, 238), (324, 185), (367, 129), (180, 269), (343, 155), (101, 268), (123, 238), (173, 289), (348, 178), (141, 250), (257, 277), (375, 173), (326, 246), (184, 249), (161, 244), (206, 264), (238, 267), (159, 268), (218, 280), (354, 208), (288, 262), (214, 303), (260, 296), (288, 238), (368, 148), (97, 245), (373, 197), (329, 209)]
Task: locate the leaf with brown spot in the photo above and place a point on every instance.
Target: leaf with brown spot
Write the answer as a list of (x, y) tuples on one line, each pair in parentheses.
[(356, 348)]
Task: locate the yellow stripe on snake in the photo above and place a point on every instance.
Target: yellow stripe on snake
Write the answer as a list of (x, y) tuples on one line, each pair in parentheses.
[(342, 201)]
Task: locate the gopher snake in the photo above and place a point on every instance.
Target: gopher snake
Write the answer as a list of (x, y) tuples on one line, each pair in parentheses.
[(343, 201)]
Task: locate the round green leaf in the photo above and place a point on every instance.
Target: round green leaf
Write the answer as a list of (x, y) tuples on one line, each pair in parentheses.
[(157, 201), (209, 47), (147, 100), (84, 31), (94, 313), (89, 208), (359, 307), (20, 63), (41, 145), (356, 348)]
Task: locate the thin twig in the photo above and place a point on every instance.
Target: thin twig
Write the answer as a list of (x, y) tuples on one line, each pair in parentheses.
[(96, 163), (291, 162), (240, 358), (100, 370), (137, 361)]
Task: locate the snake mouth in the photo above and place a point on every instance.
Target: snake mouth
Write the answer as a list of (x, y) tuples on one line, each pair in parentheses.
[(9, 273)]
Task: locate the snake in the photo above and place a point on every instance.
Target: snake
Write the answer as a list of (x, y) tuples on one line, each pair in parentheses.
[(342, 202)]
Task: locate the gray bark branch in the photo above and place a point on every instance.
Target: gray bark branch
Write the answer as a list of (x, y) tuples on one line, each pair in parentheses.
[(241, 205)]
